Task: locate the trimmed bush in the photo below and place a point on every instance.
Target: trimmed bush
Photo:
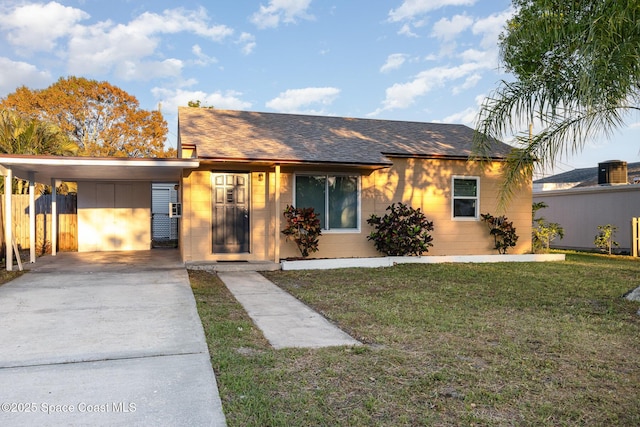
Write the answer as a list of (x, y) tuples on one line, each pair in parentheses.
[(503, 232), (402, 231), (303, 227)]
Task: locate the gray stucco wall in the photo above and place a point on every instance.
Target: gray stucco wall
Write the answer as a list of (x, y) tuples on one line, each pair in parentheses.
[(580, 210)]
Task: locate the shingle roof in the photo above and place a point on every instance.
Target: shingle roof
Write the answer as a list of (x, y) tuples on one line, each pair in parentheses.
[(572, 176), (586, 177), (254, 136)]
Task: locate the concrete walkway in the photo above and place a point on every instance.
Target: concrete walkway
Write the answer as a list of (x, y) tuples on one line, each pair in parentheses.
[(283, 319), (105, 339)]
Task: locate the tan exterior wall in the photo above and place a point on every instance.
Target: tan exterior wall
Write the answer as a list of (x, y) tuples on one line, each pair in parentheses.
[(196, 221), (581, 210), (114, 216), (423, 183)]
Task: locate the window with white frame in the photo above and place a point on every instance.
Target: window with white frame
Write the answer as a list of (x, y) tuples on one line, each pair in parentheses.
[(335, 197), (465, 200)]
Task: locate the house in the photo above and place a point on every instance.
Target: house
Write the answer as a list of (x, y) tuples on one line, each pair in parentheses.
[(607, 194), (238, 170), (252, 165)]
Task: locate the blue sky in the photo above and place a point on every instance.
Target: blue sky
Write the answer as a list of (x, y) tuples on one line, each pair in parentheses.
[(415, 60)]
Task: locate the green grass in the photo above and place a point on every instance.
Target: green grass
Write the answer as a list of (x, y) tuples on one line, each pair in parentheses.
[(7, 276), (445, 344)]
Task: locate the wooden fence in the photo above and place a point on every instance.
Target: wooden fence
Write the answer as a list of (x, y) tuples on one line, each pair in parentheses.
[(67, 222)]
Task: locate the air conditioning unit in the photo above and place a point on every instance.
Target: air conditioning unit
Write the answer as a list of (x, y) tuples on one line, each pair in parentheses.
[(175, 210)]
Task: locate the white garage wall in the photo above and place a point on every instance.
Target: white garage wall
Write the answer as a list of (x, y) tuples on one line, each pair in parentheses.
[(114, 216)]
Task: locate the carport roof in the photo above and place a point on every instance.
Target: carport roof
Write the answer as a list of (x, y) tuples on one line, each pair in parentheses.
[(46, 168)]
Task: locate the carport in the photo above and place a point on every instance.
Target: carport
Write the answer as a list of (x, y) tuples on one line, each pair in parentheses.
[(120, 180)]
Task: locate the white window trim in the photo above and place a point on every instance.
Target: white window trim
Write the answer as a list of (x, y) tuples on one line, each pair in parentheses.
[(326, 201), (477, 198)]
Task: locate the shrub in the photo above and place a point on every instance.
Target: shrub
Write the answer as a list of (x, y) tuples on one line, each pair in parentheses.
[(543, 231), (303, 227), (604, 240), (503, 232), (402, 231)]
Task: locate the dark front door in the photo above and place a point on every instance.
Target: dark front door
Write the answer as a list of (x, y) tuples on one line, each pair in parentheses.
[(230, 212)]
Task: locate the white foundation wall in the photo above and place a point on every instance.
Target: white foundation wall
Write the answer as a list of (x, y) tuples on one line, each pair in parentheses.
[(114, 216)]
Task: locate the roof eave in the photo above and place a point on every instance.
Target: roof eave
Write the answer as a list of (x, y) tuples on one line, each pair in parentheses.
[(290, 162), (439, 156)]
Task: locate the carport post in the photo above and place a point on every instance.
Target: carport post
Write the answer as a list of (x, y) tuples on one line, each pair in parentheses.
[(54, 216), (8, 221), (32, 218), (276, 251)]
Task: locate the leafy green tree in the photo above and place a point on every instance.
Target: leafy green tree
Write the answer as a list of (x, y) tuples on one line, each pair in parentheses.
[(577, 69), (604, 239), (198, 104), (543, 231), (102, 119)]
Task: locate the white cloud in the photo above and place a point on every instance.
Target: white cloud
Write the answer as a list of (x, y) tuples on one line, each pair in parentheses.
[(394, 61), (467, 116), (203, 58), (468, 83), (171, 99), (123, 48), (16, 74), (37, 27), (448, 29), (149, 70), (491, 27), (174, 21), (286, 11), (405, 30), (248, 42), (292, 100), (409, 9), (403, 95)]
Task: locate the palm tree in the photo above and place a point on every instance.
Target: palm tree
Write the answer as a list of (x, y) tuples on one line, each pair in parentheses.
[(577, 64), (19, 135)]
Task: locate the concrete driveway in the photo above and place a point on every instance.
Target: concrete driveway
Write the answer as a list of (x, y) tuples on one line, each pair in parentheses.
[(104, 339)]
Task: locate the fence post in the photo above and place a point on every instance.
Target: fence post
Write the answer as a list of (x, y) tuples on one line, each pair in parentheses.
[(635, 236)]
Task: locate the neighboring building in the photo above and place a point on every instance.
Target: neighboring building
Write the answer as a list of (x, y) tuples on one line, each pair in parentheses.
[(239, 170), (607, 194), (589, 177)]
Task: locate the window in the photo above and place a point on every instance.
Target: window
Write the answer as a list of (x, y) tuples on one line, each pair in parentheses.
[(465, 197), (334, 197)]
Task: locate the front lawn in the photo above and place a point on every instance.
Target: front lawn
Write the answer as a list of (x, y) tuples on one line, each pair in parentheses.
[(445, 344)]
